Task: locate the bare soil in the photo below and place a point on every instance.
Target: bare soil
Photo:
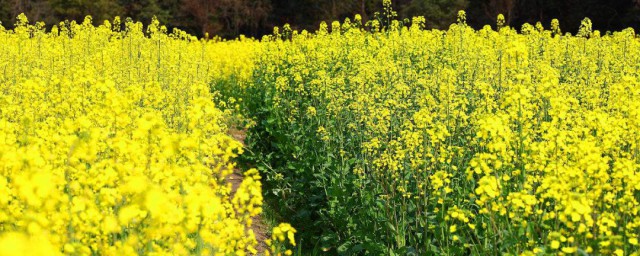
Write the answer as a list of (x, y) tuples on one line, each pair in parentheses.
[(259, 227)]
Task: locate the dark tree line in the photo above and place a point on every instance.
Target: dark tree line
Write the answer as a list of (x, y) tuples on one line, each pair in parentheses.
[(229, 18)]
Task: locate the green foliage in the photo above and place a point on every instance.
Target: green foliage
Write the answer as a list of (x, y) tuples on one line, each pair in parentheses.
[(388, 139), (312, 158)]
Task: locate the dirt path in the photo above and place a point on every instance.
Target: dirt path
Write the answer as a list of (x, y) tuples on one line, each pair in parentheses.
[(259, 227)]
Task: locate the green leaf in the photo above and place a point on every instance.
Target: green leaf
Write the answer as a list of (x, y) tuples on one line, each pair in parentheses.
[(343, 248)]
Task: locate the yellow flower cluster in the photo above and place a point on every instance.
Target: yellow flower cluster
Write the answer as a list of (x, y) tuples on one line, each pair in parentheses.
[(111, 143), (517, 142), (279, 236)]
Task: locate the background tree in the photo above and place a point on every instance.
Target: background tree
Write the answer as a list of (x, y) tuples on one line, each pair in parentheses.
[(36, 10), (5, 14), (100, 10), (505, 7), (438, 13), (229, 18), (145, 10)]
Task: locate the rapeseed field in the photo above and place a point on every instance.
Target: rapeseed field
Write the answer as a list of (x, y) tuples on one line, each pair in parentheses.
[(378, 137)]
